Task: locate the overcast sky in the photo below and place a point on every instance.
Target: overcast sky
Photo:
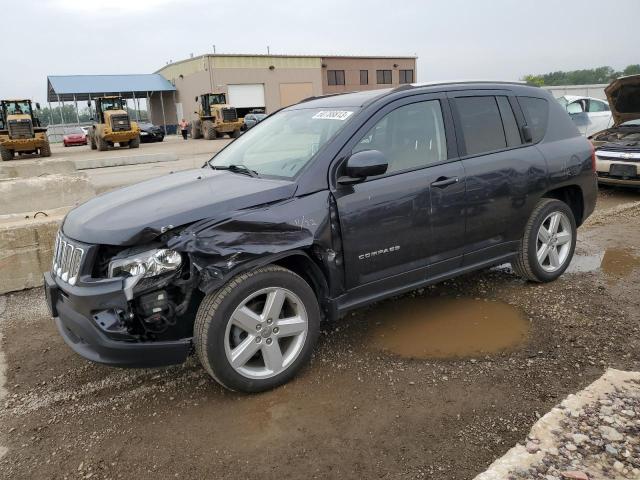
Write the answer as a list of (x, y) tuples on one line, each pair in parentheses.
[(454, 39)]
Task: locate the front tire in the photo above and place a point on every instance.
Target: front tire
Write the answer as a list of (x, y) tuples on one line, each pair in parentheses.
[(134, 142), (6, 154), (209, 130), (258, 330), (548, 242), (102, 143)]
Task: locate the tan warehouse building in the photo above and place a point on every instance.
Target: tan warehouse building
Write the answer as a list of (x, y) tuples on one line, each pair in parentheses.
[(271, 82)]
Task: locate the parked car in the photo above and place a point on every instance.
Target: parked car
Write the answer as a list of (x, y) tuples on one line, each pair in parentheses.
[(74, 136), (589, 114), (150, 132), (252, 119), (618, 147), (324, 207)]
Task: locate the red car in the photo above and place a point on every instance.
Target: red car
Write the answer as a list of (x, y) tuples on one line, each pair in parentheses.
[(74, 136)]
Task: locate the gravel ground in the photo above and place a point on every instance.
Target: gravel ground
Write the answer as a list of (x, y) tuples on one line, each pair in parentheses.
[(593, 435), (357, 411)]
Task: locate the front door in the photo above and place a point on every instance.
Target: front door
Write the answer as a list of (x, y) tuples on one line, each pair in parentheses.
[(395, 224)]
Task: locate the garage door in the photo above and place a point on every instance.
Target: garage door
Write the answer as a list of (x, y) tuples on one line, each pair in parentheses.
[(291, 93), (246, 95)]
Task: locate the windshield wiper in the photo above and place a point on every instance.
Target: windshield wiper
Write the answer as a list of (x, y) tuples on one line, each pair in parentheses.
[(243, 169)]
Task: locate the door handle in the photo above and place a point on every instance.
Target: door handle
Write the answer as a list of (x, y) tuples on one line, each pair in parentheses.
[(442, 182)]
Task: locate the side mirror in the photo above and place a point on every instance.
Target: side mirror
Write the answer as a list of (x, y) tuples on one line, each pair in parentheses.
[(196, 99), (527, 134), (360, 165), (37, 106), (91, 119)]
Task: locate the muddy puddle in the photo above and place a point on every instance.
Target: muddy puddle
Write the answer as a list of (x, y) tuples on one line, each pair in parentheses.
[(447, 327), (613, 262)]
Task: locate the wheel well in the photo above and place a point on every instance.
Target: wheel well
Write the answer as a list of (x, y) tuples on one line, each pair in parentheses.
[(572, 196), (302, 265)]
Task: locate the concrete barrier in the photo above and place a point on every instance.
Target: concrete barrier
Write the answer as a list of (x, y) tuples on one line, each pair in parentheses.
[(39, 193), (26, 250), (36, 168), (88, 163)]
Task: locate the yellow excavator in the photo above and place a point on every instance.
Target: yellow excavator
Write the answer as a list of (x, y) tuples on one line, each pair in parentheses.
[(215, 118), (112, 125), (21, 131)]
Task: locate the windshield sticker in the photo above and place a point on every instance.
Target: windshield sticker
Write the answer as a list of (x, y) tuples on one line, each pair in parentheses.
[(341, 115)]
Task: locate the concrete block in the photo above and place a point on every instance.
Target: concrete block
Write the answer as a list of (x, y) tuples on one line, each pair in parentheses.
[(26, 251), (36, 168), (29, 195), (88, 163)]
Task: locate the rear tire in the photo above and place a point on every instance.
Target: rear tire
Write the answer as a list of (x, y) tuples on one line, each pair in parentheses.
[(134, 142), (269, 345), (548, 242), (102, 144), (6, 154), (45, 150), (235, 134), (209, 130), (196, 132)]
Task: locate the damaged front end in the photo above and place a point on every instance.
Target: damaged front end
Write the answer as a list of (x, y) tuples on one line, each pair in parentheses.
[(136, 305)]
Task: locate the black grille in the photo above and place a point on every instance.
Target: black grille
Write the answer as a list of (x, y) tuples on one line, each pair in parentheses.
[(120, 123), (20, 129), (229, 115)]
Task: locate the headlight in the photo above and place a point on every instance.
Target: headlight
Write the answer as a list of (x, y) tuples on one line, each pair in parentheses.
[(143, 133), (146, 264)]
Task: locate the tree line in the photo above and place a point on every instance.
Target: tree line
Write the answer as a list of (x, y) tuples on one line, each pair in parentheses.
[(67, 114), (581, 77)]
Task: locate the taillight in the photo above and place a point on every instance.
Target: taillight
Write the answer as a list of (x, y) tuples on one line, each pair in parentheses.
[(593, 158)]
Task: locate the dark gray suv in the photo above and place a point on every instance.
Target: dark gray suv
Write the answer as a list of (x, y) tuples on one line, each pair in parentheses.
[(323, 207)]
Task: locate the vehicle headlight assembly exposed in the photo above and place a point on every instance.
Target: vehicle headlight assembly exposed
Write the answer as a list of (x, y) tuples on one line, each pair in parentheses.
[(146, 264)]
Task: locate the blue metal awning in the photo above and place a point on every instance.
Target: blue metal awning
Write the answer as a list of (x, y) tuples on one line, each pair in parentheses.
[(83, 87)]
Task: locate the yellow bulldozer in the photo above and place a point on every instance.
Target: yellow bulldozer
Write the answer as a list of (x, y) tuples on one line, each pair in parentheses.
[(215, 118), (21, 131), (112, 125)]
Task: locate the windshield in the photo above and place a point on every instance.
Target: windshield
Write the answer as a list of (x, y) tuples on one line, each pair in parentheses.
[(111, 104), (283, 144), (217, 99), (73, 130), (563, 101), (631, 123), (18, 107)]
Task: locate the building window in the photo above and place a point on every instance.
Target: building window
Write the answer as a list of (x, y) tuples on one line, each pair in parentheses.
[(364, 77), (406, 76), (383, 76), (335, 77)]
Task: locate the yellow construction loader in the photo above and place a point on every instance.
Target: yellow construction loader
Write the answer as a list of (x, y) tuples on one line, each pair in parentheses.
[(112, 125), (215, 118), (21, 131)]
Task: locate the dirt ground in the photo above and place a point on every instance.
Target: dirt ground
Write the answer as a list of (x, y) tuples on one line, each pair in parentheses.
[(371, 404)]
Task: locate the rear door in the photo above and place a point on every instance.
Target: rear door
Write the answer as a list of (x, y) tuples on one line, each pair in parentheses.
[(502, 171), (396, 224)]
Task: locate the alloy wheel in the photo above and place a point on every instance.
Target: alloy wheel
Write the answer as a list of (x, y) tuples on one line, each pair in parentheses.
[(266, 333), (553, 243)]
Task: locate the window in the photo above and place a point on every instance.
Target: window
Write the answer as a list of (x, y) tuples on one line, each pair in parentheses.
[(410, 136), (481, 124), (536, 113), (597, 106), (575, 107), (335, 77), (383, 76), (511, 130), (364, 77), (406, 76)]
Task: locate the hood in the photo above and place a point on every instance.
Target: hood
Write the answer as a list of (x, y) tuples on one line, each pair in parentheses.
[(624, 99), (138, 213)]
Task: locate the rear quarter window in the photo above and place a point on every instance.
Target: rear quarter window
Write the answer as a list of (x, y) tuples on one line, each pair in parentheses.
[(536, 113)]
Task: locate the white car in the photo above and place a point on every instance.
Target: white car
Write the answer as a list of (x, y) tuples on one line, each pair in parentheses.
[(590, 114)]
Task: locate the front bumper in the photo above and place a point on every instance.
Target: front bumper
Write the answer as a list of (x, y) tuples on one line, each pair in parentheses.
[(607, 174), (84, 315), (125, 136), (24, 144)]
